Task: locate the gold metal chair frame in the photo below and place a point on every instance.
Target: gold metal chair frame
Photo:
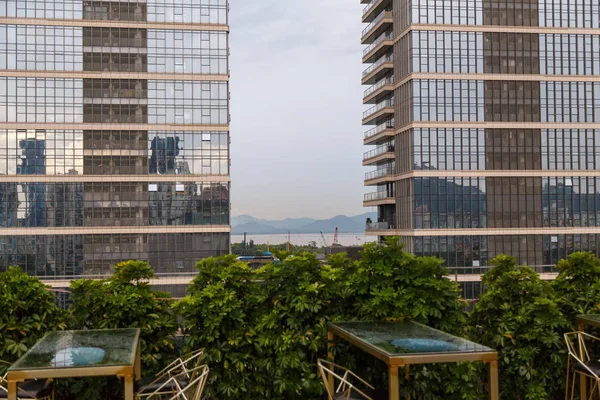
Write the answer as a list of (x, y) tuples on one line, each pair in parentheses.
[(578, 354), (196, 386), (345, 388), (186, 366)]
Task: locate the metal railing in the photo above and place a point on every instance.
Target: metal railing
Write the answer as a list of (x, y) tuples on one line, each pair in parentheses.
[(369, 6), (385, 59), (379, 226), (379, 173), (384, 104), (386, 148), (387, 81), (380, 128), (377, 20), (377, 42), (381, 195)]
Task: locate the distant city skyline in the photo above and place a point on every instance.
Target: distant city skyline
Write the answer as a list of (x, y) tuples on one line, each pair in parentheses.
[(296, 106)]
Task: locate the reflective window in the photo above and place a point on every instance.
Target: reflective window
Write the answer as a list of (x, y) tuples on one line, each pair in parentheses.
[(571, 201), (41, 152), (199, 52), (448, 100), (41, 48), (570, 101), (570, 13), (445, 52), (206, 12), (449, 149), (570, 54), (464, 12), (184, 153), (571, 149), (60, 9), (449, 203), (188, 203), (179, 102), (41, 100)]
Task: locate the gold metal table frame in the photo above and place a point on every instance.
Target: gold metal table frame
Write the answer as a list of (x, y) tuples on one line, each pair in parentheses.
[(127, 371), (395, 362)]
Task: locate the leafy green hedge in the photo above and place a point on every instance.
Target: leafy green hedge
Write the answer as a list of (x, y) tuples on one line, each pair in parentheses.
[(264, 329)]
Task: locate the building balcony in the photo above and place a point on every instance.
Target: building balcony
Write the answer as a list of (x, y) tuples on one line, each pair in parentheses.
[(380, 24), (385, 108), (373, 8), (379, 198), (378, 48), (379, 176), (382, 88), (379, 226), (378, 69), (381, 153), (379, 132)]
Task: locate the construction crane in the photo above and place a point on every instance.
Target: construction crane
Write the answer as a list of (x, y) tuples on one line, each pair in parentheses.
[(324, 241), (335, 237)]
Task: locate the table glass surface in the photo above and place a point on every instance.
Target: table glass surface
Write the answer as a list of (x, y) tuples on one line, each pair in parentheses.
[(593, 318), (81, 349), (408, 338)]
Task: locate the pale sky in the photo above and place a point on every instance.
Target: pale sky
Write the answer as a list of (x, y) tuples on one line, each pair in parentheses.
[(296, 106)]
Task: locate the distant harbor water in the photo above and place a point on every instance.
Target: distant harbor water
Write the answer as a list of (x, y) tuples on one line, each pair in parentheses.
[(345, 239)]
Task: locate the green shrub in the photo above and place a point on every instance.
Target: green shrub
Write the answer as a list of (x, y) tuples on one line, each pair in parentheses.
[(126, 300), (577, 286), (28, 311), (218, 312), (518, 315)]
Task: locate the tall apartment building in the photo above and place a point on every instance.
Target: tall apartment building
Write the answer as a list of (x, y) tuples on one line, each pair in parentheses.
[(485, 127), (114, 134)]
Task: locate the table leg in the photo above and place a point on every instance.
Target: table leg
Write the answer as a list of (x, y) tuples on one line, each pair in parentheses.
[(138, 362), (12, 390), (494, 387), (394, 383), (129, 395), (330, 338)]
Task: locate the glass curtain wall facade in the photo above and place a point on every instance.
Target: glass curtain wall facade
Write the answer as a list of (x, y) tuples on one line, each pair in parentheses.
[(114, 134), (484, 128)]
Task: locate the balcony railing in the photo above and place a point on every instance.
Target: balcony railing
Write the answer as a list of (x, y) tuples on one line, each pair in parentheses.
[(379, 226), (380, 128), (384, 104), (385, 59), (369, 6), (377, 20), (377, 42), (388, 148), (379, 173), (387, 81), (382, 195)]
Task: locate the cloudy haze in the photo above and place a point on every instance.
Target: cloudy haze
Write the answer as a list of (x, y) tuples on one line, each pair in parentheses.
[(296, 108)]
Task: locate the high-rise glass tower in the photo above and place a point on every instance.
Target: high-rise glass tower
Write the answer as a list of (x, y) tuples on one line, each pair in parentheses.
[(484, 127), (114, 134)]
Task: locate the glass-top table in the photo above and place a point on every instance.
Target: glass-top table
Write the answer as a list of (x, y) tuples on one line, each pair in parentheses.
[(587, 319), (400, 344), (69, 354)]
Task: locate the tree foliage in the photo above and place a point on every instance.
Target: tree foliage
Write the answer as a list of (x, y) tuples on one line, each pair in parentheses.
[(126, 300), (577, 286), (518, 315), (28, 311)]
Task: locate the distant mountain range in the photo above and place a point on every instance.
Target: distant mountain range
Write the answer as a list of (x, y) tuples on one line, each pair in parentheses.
[(256, 226)]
